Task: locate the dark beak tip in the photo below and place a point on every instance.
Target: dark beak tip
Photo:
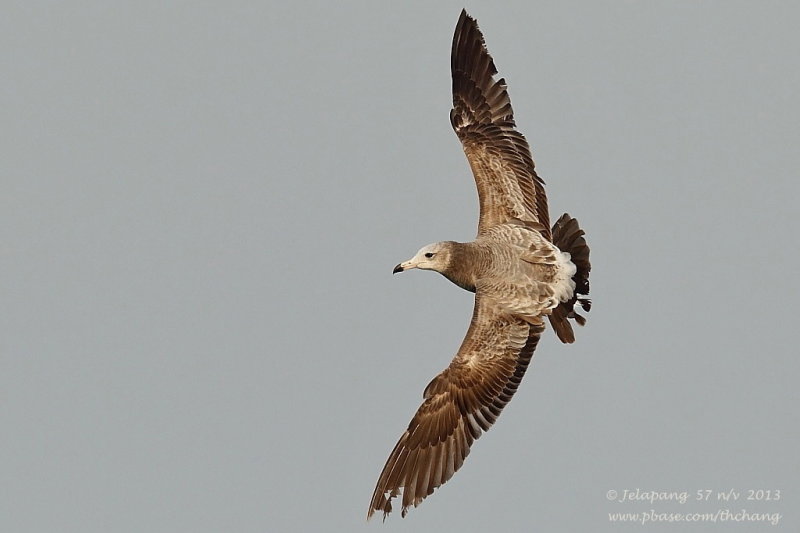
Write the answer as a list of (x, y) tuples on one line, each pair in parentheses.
[(397, 269)]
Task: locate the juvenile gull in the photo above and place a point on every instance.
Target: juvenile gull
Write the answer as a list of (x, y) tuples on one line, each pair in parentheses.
[(520, 270)]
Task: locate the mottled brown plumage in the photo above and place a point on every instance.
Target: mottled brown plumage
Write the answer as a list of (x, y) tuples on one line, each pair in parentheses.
[(519, 268), (482, 117)]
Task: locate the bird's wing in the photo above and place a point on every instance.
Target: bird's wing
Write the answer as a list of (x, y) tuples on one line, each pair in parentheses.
[(508, 187), (459, 404)]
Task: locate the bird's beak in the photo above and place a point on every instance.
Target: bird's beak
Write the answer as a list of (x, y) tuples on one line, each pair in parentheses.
[(408, 265)]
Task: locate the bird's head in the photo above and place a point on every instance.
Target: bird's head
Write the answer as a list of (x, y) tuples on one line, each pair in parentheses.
[(434, 256)]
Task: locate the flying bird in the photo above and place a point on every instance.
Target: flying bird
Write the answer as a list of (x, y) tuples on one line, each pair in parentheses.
[(520, 269)]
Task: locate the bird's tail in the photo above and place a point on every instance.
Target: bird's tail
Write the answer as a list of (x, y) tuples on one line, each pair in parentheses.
[(568, 236)]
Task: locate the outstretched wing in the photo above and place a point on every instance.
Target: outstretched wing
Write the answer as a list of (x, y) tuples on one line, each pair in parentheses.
[(459, 404), (508, 187)]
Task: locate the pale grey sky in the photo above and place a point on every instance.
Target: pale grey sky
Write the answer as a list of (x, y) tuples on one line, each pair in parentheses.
[(202, 204)]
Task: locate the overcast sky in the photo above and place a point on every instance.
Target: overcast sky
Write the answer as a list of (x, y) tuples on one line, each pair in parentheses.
[(202, 204)]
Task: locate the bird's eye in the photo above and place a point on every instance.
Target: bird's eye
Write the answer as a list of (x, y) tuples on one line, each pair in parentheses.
[(429, 255)]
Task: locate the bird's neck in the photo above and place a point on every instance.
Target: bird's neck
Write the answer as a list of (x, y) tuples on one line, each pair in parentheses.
[(463, 254)]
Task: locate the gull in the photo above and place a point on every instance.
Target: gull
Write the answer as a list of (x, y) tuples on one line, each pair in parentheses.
[(520, 269)]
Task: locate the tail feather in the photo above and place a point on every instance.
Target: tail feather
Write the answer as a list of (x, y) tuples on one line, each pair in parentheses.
[(568, 236)]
